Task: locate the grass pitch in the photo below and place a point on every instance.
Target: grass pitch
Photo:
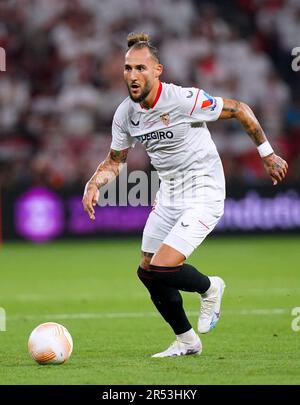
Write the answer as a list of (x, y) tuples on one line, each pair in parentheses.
[(92, 289)]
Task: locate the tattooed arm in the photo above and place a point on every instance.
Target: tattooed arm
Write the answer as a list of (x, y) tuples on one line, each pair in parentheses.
[(274, 165), (106, 172)]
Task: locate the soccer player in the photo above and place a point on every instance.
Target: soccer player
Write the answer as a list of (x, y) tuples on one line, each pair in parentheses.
[(170, 121)]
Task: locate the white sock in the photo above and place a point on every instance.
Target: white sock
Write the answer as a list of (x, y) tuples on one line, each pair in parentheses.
[(188, 337), (210, 289)]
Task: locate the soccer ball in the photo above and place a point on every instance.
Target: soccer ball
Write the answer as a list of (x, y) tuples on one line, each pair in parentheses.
[(50, 343)]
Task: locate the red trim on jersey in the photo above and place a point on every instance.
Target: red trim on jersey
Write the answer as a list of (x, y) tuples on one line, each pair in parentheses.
[(195, 103), (157, 95), (159, 90)]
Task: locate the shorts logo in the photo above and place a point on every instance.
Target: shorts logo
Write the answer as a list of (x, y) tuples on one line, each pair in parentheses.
[(209, 102), (184, 225), (165, 118)]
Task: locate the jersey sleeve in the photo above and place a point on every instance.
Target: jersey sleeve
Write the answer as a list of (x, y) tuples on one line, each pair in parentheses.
[(121, 139), (201, 106)]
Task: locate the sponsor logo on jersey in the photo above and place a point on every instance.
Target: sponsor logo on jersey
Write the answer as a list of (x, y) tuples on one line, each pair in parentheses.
[(158, 135), (190, 95), (165, 118), (210, 102)]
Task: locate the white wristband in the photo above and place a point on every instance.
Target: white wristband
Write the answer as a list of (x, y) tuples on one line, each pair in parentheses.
[(265, 149)]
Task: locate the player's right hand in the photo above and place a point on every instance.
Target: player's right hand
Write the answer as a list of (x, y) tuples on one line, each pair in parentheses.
[(90, 199)]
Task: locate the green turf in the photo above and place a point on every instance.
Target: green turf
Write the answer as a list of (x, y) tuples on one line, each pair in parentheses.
[(92, 289)]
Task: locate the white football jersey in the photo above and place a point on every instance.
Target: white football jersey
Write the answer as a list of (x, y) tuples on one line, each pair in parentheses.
[(177, 140)]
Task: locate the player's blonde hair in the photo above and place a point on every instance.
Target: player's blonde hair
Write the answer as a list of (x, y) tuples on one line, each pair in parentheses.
[(139, 40)]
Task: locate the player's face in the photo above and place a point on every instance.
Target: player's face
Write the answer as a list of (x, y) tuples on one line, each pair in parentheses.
[(140, 73)]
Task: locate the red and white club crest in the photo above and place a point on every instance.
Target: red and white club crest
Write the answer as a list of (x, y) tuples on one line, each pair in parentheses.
[(165, 118)]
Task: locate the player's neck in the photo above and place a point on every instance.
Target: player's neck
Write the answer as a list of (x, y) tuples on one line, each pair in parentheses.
[(153, 96)]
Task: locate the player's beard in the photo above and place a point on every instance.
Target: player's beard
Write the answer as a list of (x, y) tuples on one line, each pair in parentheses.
[(143, 95)]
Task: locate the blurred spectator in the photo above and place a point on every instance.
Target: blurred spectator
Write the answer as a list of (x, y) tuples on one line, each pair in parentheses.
[(64, 79)]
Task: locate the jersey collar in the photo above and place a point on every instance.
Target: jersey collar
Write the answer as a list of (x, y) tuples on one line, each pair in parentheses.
[(159, 90)]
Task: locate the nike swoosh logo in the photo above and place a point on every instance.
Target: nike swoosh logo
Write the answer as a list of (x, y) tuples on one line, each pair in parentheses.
[(190, 95), (184, 225), (135, 123)]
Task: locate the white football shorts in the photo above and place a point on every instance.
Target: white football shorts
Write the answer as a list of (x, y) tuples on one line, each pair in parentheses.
[(184, 229)]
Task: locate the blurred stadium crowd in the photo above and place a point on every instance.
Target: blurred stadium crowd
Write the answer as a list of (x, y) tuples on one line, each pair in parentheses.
[(64, 79)]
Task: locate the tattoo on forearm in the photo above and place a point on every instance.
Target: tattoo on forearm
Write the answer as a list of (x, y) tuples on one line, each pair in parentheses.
[(252, 126), (119, 156), (110, 168), (230, 109), (242, 112)]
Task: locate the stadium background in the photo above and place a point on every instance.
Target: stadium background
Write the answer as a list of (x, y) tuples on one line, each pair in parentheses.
[(62, 84)]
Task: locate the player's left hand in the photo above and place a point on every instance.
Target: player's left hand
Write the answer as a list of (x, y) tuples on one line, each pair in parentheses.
[(276, 167)]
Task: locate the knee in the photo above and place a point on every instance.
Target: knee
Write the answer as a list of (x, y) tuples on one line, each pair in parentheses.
[(140, 272), (145, 260), (144, 264), (145, 276), (167, 256)]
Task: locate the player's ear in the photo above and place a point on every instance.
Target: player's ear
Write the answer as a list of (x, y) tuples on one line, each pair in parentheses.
[(158, 70)]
